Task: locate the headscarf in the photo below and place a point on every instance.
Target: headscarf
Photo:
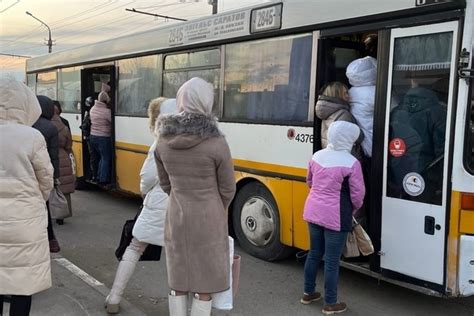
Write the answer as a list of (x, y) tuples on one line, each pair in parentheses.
[(195, 96)]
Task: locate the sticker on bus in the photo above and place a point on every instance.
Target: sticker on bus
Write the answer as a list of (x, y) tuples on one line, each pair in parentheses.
[(413, 184), (397, 147)]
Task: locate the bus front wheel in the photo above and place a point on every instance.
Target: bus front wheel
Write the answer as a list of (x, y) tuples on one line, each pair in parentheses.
[(256, 223)]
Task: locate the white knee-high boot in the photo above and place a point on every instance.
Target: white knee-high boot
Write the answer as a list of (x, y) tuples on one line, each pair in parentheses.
[(201, 308), (178, 305), (124, 273)]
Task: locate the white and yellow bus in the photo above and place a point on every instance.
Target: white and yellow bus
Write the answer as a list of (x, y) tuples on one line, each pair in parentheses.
[(267, 64)]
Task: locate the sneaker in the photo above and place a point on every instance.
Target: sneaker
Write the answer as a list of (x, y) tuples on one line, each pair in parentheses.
[(54, 246), (334, 308), (308, 298)]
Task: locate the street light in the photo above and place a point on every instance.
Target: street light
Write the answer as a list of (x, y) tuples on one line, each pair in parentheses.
[(50, 42)]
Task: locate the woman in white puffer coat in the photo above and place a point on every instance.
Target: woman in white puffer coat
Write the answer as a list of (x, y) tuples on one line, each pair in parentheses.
[(26, 179), (362, 75), (150, 225)]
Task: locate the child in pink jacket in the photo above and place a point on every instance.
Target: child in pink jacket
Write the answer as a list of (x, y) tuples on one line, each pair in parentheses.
[(337, 192)]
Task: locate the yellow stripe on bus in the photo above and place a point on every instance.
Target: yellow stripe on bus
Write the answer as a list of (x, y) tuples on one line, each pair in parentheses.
[(262, 166)]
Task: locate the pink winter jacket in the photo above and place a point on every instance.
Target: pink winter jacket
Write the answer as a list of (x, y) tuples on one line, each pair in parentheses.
[(101, 118), (336, 181)]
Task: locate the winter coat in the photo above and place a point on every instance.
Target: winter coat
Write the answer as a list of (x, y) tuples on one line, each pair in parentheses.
[(420, 121), (196, 170), (66, 175), (150, 225), (26, 179), (101, 119), (329, 110), (362, 75), (336, 181), (49, 131)]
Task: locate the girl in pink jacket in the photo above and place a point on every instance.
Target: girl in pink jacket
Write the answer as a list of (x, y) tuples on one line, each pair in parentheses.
[(337, 192)]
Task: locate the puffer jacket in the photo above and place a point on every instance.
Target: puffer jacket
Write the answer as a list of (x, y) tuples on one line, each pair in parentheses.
[(66, 175), (336, 181), (362, 75), (329, 110), (150, 225), (26, 179), (49, 131), (101, 120)]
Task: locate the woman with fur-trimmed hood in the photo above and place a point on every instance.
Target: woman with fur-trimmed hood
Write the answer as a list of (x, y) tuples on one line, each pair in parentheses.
[(195, 168)]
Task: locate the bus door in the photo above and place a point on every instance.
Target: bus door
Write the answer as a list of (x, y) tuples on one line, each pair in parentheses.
[(334, 55), (91, 83), (415, 195)]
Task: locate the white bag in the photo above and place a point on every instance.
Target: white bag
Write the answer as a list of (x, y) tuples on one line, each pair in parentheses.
[(224, 300), (58, 204), (73, 163)]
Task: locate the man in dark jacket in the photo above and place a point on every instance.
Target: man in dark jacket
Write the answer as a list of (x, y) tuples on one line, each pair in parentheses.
[(50, 133)]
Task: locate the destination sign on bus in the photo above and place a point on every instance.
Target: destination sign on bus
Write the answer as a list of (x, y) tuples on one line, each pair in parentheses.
[(234, 24), (266, 19)]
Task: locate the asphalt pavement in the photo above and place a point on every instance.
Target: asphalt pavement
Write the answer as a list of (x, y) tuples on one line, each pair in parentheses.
[(84, 270)]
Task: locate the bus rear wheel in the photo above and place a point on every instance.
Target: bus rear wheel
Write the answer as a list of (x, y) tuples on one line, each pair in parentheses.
[(256, 223)]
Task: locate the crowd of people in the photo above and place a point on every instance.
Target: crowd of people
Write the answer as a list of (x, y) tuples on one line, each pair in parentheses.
[(187, 178)]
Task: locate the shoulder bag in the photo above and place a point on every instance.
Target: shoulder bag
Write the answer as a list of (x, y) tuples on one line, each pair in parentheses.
[(58, 204), (151, 253)]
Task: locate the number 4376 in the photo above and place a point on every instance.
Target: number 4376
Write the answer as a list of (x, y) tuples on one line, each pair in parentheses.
[(304, 138)]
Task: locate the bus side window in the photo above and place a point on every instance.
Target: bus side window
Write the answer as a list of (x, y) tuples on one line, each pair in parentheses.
[(268, 80)]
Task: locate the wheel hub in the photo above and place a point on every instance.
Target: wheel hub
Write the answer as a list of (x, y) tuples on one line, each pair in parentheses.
[(258, 221)]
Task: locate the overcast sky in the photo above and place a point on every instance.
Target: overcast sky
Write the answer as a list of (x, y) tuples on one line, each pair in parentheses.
[(80, 22)]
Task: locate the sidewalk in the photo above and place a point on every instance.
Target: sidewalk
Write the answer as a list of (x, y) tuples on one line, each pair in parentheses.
[(74, 293)]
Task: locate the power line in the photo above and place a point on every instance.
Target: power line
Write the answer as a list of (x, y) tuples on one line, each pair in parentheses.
[(14, 55), (156, 15)]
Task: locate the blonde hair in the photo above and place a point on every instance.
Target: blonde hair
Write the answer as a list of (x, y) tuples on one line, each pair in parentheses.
[(334, 89), (154, 111)]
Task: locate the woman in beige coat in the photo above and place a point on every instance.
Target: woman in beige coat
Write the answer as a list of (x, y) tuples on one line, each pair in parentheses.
[(26, 179), (195, 168)]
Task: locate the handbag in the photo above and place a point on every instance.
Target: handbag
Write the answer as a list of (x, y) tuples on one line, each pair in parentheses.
[(351, 249), (151, 253), (225, 300), (363, 240), (58, 204)]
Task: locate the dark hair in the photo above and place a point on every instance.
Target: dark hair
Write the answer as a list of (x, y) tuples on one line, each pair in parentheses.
[(58, 105), (370, 42)]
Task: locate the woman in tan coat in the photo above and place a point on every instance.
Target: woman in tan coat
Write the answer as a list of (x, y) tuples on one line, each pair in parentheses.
[(66, 175), (195, 168), (26, 179)]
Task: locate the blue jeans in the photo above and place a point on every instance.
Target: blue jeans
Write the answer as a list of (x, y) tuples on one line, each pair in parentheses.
[(102, 145), (327, 243)]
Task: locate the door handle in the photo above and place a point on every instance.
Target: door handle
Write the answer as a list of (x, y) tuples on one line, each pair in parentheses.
[(429, 225)]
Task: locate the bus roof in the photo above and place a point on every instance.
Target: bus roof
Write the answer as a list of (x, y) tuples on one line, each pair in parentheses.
[(286, 14)]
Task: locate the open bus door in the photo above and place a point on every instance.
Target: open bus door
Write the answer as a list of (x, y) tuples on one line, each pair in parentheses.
[(91, 82), (415, 197)]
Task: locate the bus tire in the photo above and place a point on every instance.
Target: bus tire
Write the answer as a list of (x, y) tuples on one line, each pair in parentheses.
[(256, 223)]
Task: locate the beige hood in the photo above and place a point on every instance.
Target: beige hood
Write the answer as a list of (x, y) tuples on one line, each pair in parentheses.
[(18, 104)]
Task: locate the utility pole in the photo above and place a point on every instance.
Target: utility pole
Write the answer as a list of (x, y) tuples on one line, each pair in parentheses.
[(214, 5), (50, 41)]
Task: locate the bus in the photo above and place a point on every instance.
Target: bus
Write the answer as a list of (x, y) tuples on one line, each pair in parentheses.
[(267, 64)]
